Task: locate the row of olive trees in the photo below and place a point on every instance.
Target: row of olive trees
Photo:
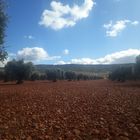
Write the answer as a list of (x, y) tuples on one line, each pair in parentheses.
[(58, 74), (123, 73), (17, 70)]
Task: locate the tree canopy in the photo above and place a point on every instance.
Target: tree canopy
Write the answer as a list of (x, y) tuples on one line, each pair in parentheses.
[(3, 24), (126, 72), (18, 70)]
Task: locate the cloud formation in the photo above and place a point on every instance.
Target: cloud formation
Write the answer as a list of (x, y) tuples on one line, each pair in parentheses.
[(35, 54), (126, 56), (66, 52), (61, 15), (113, 30)]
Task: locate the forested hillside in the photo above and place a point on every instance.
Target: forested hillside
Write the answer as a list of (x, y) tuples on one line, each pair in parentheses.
[(83, 68)]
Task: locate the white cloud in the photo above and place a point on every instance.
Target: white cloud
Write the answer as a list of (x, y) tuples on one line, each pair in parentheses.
[(29, 37), (61, 15), (61, 63), (35, 54), (135, 23), (126, 56), (66, 52), (112, 30)]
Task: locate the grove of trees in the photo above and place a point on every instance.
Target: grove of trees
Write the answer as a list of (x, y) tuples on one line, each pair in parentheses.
[(18, 70), (124, 73)]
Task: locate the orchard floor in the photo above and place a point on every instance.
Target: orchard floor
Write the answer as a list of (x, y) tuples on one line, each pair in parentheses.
[(76, 110)]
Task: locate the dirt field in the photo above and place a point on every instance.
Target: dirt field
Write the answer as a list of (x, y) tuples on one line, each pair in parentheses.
[(85, 110)]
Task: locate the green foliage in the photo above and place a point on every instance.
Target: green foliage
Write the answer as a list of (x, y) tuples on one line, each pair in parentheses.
[(42, 76), (70, 75), (138, 66), (138, 60), (3, 24), (58, 74), (126, 72), (52, 75), (93, 71), (118, 74), (18, 70), (35, 76), (2, 74)]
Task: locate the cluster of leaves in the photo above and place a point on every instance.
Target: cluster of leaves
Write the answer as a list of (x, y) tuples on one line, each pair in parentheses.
[(17, 70), (3, 24), (126, 73)]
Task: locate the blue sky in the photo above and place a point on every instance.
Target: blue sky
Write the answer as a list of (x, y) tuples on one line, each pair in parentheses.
[(74, 31)]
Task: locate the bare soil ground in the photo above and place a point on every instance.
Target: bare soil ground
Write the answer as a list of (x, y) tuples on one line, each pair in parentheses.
[(76, 110)]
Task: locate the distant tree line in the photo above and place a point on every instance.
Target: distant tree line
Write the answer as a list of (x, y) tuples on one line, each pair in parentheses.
[(18, 70), (123, 73), (58, 74)]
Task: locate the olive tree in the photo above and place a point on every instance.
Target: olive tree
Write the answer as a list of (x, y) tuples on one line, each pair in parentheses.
[(3, 24), (18, 70)]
